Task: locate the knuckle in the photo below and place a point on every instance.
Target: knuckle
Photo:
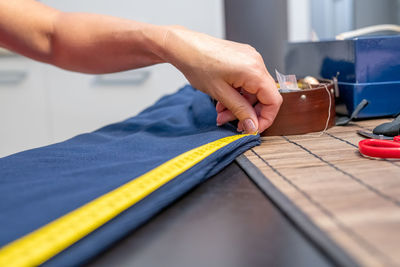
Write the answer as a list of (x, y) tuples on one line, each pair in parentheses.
[(239, 110), (254, 50), (178, 27), (258, 56), (253, 65), (257, 64), (278, 100), (250, 50), (249, 47)]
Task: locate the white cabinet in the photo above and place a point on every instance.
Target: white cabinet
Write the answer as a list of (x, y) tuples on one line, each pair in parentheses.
[(24, 121), (48, 105), (82, 103)]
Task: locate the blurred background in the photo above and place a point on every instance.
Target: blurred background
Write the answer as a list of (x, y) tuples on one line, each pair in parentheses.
[(41, 104)]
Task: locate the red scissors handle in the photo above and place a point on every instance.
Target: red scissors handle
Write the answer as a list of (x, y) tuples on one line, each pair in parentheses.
[(380, 148)]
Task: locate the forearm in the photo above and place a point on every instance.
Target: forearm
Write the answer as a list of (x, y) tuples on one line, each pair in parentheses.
[(76, 41), (25, 27), (99, 44)]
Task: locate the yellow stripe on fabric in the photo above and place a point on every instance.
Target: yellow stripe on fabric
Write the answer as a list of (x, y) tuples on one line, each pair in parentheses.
[(47, 241)]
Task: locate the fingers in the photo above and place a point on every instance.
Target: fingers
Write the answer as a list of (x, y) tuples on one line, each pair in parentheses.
[(268, 96), (265, 111), (267, 92), (266, 115), (238, 106), (270, 101), (224, 115), (220, 107)]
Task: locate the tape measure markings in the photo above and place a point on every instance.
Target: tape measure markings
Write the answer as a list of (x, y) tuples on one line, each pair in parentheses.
[(47, 241)]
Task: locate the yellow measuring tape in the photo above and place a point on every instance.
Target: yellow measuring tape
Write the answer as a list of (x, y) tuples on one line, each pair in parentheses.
[(47, 241)]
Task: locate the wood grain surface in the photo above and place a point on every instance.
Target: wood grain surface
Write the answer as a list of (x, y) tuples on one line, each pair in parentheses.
[(355, 200)]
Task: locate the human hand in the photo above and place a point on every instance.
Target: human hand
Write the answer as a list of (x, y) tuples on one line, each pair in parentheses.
[(230, 72)]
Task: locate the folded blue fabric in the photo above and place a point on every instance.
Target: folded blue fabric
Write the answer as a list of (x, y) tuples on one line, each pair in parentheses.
[(40, 185)]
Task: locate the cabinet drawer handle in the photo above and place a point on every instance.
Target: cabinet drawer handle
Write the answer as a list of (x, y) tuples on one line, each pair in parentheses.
[(10, 77), (135, 78)]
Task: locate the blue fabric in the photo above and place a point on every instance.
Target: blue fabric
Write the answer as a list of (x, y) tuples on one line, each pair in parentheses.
[(40, 185)]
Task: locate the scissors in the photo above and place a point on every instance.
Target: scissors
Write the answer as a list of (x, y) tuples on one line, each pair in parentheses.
[(378, 148)]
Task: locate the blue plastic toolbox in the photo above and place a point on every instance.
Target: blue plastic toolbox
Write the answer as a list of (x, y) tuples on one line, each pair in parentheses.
[(366, 68)]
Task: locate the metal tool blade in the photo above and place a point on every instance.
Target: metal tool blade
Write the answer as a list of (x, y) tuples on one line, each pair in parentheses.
[(374, 136)]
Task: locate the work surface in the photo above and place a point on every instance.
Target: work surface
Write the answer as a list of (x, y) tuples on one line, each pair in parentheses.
[(330, 206), (225, 222), (347, 203)]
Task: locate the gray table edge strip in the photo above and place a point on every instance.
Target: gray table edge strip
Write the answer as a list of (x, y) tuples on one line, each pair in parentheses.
[(296, 216)]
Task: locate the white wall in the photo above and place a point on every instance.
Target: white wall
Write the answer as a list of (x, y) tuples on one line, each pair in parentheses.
[(299, 20), (325, 18)]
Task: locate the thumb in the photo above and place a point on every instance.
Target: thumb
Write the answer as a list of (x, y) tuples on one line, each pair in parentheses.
[(239, 106)]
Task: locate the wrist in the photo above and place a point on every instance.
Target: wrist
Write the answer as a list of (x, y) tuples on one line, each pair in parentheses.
[(151, 41), (171, 46), (155, 38)]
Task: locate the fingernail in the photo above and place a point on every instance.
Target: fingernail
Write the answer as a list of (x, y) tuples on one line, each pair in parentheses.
[(218, 120), (249, 126)]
